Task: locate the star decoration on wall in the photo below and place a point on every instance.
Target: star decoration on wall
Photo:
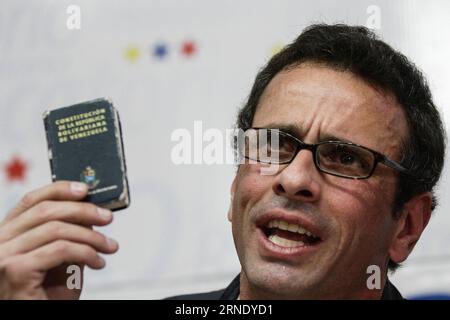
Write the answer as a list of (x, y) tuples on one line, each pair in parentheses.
[(15, 170), (160, 50), (132, 53), (275, 49), (188, 48)]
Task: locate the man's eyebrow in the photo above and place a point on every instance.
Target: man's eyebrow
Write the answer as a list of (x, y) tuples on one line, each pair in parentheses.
[(297, 132), (292, 129), (330, 137)]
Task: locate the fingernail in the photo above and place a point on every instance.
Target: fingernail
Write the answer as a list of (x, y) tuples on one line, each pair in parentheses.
[(112, 243), (104, 213), (102, 261), (78, 187)]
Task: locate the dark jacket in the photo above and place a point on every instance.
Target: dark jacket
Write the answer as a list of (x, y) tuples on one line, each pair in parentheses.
[(231, 292)]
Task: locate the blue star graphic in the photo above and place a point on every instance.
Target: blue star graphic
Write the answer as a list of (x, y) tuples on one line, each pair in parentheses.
[(160, 50)]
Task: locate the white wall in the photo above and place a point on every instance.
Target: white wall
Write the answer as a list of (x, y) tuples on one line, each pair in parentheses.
[(175, 237)]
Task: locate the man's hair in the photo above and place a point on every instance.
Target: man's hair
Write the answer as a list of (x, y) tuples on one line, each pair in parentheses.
[(358, 50)]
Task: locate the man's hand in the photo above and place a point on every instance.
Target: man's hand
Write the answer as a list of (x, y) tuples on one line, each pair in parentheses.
[(48, 230)]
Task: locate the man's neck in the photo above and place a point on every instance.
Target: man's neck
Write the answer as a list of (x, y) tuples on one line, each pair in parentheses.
[(248, 292)]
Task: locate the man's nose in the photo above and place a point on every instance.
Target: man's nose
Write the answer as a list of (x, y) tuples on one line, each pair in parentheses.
[(299, 180)]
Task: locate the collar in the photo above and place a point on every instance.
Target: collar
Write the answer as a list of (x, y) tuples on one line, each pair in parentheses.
[(231, 292)]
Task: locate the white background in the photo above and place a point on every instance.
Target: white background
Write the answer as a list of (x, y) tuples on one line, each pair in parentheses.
[(175, 237)]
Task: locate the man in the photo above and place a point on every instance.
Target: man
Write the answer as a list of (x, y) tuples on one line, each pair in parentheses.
[(359, 148)]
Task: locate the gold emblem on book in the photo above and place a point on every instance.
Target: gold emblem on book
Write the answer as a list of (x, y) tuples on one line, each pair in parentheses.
[(88, 177)]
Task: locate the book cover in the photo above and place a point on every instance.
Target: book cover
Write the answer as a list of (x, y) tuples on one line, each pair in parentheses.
[(85, 144)]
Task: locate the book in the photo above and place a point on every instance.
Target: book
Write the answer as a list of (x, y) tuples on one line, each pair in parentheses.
[(85, 144)]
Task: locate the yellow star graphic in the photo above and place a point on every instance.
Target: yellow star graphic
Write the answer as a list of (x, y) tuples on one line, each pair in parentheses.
[(275, 49), (132, 53)]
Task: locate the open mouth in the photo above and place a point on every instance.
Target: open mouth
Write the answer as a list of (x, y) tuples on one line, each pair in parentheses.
[(289, 235)]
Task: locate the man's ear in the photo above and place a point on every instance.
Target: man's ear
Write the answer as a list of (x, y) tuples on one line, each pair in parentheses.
[(232, 192), (413, 219)]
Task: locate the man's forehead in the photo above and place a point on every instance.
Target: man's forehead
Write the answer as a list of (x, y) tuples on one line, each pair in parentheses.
[(333, 105), (317, 83), (298, 131)]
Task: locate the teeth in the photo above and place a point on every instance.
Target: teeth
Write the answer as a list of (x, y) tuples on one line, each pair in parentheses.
[(301, 230), (293, 227), (273, 224), (285, 242), (283, 225)]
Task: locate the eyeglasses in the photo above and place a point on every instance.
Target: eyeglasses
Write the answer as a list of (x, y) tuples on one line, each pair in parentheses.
[(341, 159)]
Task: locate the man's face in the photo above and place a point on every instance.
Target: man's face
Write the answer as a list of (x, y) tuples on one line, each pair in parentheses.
[(351, 219)]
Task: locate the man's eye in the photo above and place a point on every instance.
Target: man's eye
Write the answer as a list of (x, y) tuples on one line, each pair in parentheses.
[(344, 157), (282, 145), (350, 159), (347, 159)]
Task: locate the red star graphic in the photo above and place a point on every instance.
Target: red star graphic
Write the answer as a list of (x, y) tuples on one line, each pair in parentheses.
[(15, 170), (188, 48)]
